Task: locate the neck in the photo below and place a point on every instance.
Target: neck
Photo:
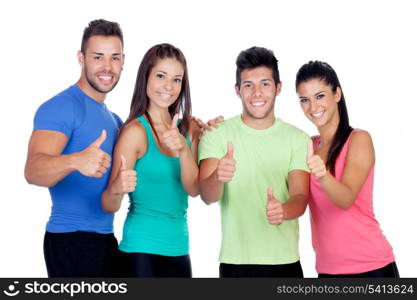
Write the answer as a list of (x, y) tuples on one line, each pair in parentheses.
[(90, 91), (327, 132), (159, 115), (258, 124)]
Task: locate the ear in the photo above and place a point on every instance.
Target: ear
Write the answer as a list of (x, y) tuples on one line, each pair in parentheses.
[(237, 89), (338, 94), (80, 56), (279, 86), (123, 60)]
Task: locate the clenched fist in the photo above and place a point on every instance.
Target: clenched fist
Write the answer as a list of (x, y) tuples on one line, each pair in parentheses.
[(227, 166), (92, 161), (172, 138), (315, 163), (274, 209), (125, 181)]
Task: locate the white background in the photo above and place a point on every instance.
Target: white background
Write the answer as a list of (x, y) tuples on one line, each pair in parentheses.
[(371, 45)]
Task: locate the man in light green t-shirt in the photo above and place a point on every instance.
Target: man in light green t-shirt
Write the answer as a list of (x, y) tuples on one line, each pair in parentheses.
[(255, 165)]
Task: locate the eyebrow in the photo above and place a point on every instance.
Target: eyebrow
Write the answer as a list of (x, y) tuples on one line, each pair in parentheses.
[(102, 54), (262, 80), (314, 95), (179, 75)]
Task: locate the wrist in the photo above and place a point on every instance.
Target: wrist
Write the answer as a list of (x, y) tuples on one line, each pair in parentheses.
[(73, 161), (325, 177)]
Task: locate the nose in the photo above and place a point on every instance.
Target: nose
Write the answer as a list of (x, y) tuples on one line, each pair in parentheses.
[(168, 85), (313, 105), (107, 64), (257, 91)]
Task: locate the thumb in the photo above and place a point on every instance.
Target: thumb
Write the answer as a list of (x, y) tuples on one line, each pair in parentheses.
[(174, 121), (229, 150), (123, 164), (310, 149), (98, 142), (270, 194)]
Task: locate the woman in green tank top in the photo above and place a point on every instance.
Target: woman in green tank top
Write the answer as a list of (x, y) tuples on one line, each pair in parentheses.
[(155, 162)]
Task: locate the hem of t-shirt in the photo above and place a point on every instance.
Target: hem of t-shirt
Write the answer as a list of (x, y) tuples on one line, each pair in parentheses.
[(151, 251), (260, 260), (356, 269), (208, 156), (55, 229), (300, 169), (53, 128)]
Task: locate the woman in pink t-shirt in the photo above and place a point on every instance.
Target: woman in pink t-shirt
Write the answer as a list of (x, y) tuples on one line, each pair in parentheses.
[(346, 237)]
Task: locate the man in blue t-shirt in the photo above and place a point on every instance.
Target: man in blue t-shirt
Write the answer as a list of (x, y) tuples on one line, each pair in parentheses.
[(70, 152)]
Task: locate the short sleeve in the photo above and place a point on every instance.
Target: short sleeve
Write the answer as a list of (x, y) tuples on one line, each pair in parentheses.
[(210, 145), (55, 114), (299, 152)]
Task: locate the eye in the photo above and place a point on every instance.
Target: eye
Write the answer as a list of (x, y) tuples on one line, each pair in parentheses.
[(178, 80), (160, 76), (266, 83), (319, 96), (116, 58), (303, 100), (97, 57), (247, 85)]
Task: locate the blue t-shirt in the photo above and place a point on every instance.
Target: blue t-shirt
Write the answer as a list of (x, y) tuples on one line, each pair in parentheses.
[(76, 199)]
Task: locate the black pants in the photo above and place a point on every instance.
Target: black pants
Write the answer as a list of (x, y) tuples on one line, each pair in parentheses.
[(80, 254), (293, 270), (389, 271), (153, 265)]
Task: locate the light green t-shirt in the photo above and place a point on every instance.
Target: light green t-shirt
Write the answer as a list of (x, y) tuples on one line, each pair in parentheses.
[(263, 158)]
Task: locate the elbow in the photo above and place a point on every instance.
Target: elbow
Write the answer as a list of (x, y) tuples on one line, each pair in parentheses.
[(31, 178), (208, 201), (193, 191), (108, 208), (345, 205), (194, 194), (28, 177)]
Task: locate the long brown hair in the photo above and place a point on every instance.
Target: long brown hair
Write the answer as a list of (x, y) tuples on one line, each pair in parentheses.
[(323, 71), (140, 100)]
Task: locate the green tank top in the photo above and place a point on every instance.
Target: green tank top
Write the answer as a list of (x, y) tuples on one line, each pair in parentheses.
[(157, 219)]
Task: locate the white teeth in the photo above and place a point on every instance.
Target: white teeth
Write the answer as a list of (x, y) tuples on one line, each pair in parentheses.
[(316, 115), (164, 95), (105, 77), (258, 103)]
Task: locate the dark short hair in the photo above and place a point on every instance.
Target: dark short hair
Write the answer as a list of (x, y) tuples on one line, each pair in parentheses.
[(256, 57), (101, 27)]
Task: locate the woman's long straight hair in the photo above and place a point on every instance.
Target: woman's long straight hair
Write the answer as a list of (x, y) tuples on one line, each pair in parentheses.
[(140, 100), (323, 71)]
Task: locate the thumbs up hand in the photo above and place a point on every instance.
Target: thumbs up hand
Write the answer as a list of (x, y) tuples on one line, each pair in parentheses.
[(172, 138), (227, 165), (315, 163), (92, 161), (125, 181), (274, 209)]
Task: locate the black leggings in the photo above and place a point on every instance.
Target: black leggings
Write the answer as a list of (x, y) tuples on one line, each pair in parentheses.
[(80, 254), (389, 271), (154, 265), (292, 270)]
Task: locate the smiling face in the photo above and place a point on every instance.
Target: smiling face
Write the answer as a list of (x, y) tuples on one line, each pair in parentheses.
[(165, 82), (318, 102), (102, 64), (258, 91)]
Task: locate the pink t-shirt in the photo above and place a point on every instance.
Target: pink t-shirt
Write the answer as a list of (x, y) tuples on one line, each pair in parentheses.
[(346, 241)]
